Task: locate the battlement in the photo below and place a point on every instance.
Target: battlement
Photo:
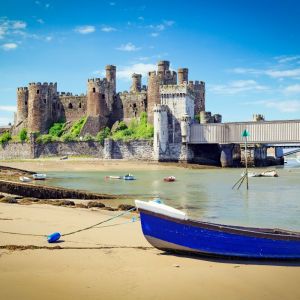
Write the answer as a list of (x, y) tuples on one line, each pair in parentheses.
[(22, 89), (196, 83), (110, 67), (97, 80), (50, 84), (174, 88)]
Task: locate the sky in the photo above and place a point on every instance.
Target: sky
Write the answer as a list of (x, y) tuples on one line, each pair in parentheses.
[(247, 52)]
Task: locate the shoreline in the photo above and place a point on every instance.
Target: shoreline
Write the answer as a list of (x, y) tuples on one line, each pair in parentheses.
[(114, 261)]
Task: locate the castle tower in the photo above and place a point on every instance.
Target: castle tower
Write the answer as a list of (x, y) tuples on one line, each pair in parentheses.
[(161, 134), (136, 83), (199, 90), (165, 75), (153, 94), (163, 66), (183, 75), (22, 104), (111, 76), (40, 97), (96, 104)]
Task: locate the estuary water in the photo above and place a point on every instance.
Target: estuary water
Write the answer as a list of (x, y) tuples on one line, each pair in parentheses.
[(206, 194)]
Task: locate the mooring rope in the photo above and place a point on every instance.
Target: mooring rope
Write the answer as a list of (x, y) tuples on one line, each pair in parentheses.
[(76, 231)]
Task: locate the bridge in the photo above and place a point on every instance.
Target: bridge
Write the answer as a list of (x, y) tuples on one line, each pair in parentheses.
[(285, 133)]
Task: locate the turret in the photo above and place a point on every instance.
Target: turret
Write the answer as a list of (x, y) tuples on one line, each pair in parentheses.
[(22, 104), (163, 66), (161, 135), (96, 104), (40, 98), (136, 83), (183, 75), (111, 76), (153, 94)]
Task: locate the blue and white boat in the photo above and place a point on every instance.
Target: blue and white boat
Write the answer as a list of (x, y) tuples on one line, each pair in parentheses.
[(128, 177), (169, 229)]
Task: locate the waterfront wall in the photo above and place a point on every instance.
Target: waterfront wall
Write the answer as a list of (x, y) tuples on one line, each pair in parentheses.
[(135, 150)]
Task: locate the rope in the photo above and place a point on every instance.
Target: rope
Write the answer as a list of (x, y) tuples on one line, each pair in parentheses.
[(76, 231), (89, 227)]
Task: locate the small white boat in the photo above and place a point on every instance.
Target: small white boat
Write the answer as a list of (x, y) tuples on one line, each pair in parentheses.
[(113, 177), (24, 179), (271, 173), (39, 176)]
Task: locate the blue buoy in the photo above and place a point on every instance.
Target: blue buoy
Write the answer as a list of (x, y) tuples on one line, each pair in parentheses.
[(51, 238)]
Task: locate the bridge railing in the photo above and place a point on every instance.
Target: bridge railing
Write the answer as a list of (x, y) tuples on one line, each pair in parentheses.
[(260, 132)]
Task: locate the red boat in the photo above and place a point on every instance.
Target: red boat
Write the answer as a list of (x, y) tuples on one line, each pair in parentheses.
[(170, 178)]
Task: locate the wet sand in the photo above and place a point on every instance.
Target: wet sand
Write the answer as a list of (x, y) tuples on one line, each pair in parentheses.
[(92, 164), (116, 262)]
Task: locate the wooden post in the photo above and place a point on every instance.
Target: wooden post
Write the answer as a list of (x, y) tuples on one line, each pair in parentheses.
[(245, 134)]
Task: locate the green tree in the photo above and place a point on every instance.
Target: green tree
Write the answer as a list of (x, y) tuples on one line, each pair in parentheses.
[(23, 135)]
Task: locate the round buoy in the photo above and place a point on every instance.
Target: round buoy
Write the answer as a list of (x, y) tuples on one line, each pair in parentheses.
[(51, 238)]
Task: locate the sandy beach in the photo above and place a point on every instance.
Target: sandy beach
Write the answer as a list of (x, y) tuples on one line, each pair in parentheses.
[(114, 261)]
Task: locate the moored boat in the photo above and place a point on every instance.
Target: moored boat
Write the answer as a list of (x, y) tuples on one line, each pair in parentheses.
[(169, 229), (24, 179), (169, 178), (128, 177), (271, 173), (113, 177), (39, 176)]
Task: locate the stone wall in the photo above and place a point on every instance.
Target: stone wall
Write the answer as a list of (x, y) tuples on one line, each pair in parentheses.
[(15, 151), (135, 150)]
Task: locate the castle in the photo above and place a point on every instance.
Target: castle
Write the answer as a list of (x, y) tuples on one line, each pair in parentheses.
[(40, 104)]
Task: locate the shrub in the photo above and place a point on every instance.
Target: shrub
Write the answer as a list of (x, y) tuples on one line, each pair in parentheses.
[(57, 129), (23, 135), (68, 137), (5, 137), (88, 137), (77, 126), (103, 134), (44, 139)]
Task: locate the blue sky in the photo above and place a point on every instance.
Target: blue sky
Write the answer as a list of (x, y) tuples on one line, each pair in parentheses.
[(247, 52)]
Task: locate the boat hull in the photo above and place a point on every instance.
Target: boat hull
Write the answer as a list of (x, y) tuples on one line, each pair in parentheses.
[(169, 234)]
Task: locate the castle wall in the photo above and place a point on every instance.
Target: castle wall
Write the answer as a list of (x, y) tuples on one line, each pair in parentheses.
[(72, 107), (133, 103), (15, 151)]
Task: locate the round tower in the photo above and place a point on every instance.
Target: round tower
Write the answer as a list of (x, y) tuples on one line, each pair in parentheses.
[(96, 104), (22, 104), (153, 94), (161, 134), (111, 76), (183, 75), (163, 66), (136, 83), (39, 107)]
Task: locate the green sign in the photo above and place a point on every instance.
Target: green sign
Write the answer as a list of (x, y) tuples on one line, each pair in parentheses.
[(245, 133)]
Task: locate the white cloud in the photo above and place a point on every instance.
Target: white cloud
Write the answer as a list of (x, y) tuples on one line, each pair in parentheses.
[(125, 72), (85, 29), (283, 73), (295, 88), (47, 5), (162, 26), (287, 58), (286, 106), (41, 21), (49, 38), (237, 86), (8, 108), (112, 3), (141, 18), (19, 25), (9, 46), (129, 47), (154, 34), (108, 29)]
